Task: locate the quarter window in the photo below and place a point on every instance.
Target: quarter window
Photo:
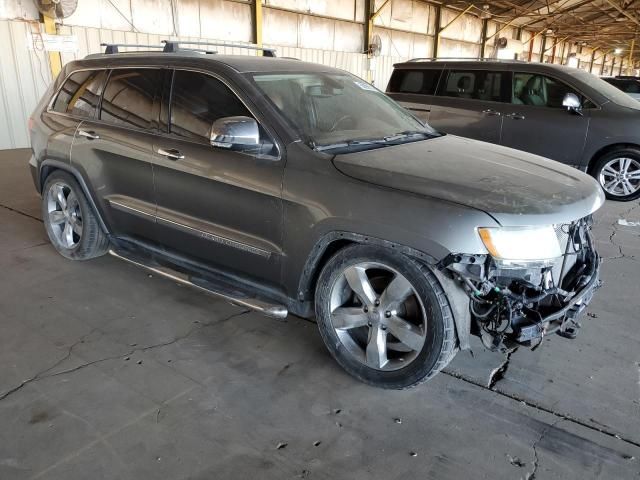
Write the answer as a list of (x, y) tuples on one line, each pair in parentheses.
[(422, 81), (474, 84), (129, 97), (539, 90), (197, 101), (80, 94)]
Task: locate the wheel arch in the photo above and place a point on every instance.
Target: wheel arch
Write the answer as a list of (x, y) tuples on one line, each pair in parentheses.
[(606, 149), (48, 166), (332, 242)]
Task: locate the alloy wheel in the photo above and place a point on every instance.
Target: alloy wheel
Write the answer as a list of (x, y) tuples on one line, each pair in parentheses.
[(64, 215), (620, 177), (378, 316)]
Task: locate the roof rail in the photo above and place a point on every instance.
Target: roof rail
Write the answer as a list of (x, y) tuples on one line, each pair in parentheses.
[(172, 46), (472, 59), (113, 47)]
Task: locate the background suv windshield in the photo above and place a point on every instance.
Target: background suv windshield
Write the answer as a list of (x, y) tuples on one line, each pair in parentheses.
[(330, 108), (612, 93)]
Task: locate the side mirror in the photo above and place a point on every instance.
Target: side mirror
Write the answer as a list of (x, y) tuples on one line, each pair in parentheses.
[(235, 133), (571, 101)]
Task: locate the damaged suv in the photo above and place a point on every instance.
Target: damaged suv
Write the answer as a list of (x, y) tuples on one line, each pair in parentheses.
[(286, 186)]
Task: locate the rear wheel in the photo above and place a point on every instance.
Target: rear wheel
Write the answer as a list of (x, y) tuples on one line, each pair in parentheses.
[(69, 220), (384, 317), (618, 173)]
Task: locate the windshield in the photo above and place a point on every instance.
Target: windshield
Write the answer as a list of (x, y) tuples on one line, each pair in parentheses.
[(333, 108), (612, 93)]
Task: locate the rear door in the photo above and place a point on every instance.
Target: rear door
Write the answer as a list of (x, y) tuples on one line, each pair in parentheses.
[(77, 100), (221, 207), (113, 151), (469, 102), (414, 89), (536, 121)]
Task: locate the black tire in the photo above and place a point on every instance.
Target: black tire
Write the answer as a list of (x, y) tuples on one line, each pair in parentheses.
[(92, 242), (626, 152), (439, 346)]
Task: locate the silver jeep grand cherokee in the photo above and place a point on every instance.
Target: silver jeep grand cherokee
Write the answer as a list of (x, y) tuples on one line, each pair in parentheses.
[(287, 186)]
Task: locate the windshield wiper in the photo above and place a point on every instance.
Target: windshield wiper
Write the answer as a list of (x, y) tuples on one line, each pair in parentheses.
[(348, 143), (372, 141)]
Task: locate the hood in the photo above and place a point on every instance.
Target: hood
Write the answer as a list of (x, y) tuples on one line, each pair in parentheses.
[(514, 187)]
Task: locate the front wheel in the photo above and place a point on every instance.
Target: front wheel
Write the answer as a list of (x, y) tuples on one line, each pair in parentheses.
[(71, 224), (618, 173), (384, 317)]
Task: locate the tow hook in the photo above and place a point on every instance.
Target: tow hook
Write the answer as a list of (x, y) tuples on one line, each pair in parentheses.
[(570, 332)]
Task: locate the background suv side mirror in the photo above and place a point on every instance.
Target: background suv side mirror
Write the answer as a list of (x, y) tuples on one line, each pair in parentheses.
[(571, 102), (238, 133)]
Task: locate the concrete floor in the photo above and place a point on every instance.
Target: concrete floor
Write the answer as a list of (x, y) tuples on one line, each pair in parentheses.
[(108, 372)]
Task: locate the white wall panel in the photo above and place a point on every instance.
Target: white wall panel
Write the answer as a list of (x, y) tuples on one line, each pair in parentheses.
[(228, 20), (18, 9), (467, 28), (455, 49), (24, 77), (406, 15), (280, 28), (315, 32)]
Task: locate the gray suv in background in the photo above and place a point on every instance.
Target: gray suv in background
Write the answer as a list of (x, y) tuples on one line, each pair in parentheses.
[(285, 186), (558, 112)]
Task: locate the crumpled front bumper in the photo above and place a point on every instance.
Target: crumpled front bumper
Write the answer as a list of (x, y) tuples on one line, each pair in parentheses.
[(567, 314)]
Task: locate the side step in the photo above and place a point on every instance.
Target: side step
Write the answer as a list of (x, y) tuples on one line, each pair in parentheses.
[(216, 287)]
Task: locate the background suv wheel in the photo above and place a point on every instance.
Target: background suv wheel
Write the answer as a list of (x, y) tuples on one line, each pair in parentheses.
[(618, 173), (384, 317), (69, 220)]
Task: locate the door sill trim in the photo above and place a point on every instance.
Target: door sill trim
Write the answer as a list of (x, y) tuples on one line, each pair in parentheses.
[(218, 289)]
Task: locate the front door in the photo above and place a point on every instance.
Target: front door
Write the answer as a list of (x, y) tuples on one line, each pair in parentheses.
[(219, 206), (114, 151), (536, 121), (469, 103)]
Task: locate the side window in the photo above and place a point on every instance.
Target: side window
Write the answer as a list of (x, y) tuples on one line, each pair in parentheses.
[(630, 86), (422, 81), (80, 94), (474, 84), (198, 100), (539, 90), (128, 98)]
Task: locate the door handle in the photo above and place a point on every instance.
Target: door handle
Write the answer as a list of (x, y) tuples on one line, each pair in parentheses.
[(171, 153), (492, 113), (515, 116), (90, 135)]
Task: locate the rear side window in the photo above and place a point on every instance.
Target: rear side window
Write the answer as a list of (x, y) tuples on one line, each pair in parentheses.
[(80, 94), (197, 101), (420, 81), (130, 97), (628, 86), (475, 84)]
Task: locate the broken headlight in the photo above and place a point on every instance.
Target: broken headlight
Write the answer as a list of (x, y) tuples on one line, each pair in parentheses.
[(518, 247)]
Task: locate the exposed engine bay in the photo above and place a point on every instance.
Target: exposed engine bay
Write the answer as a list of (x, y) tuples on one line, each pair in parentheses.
[(518, 304)]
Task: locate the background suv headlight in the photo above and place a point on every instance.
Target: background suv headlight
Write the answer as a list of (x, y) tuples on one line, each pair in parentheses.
[(522, 246)]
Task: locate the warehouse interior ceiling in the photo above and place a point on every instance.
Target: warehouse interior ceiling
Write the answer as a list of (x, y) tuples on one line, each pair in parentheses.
[(606, 25)]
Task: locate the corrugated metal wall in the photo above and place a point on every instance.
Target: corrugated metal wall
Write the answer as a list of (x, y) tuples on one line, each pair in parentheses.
[(24, 77), (25, 74)]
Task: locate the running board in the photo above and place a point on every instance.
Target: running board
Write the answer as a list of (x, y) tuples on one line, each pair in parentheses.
[(215, 287)]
